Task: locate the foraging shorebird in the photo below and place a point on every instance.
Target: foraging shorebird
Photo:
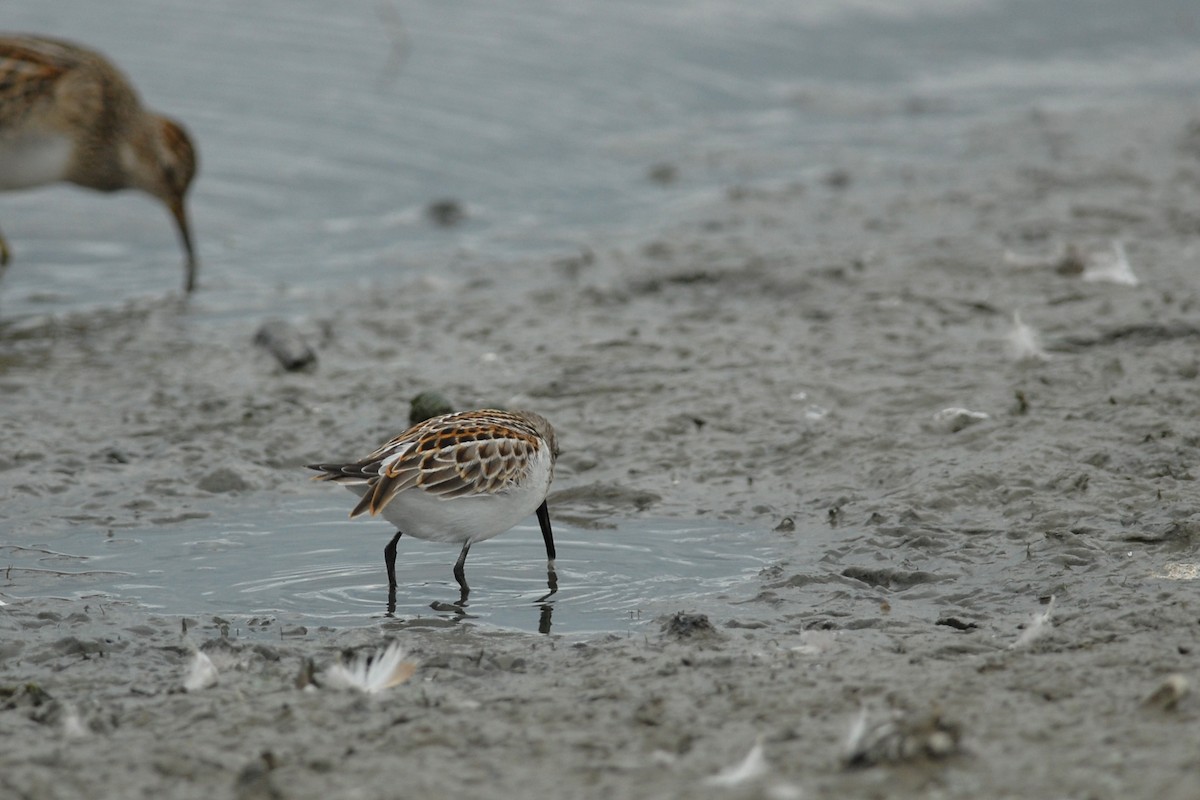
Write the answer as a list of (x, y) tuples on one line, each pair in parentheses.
[(67, 114), (462, 477)]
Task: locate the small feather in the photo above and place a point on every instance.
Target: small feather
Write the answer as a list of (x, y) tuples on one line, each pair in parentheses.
[(753, 766), (1024, 343), (1109, 267), (201, 673), (856, 735), (954, 419), (372, 673), (1039, 624), (72, 724)]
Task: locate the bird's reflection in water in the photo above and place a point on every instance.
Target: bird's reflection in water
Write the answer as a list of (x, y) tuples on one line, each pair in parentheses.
[(547, 609), (459, 611)]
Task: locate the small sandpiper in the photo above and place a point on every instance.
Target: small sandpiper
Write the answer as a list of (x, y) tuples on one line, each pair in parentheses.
[(68, 114), (461, 477)]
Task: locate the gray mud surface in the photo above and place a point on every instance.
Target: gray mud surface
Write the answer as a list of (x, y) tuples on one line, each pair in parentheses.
[(779, 360)]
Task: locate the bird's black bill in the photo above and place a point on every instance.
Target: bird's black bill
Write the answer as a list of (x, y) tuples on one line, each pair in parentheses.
[(185, 237), (543, 515)]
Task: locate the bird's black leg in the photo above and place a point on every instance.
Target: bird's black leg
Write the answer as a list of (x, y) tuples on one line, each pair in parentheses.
[(389, 559), (543, 515), (460, 576)]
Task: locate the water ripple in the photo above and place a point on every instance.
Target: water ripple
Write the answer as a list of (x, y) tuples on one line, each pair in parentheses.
[(307, 564)]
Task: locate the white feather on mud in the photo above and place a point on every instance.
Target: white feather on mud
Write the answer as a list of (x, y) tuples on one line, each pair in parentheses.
[(954, 419), (201, 672), (373, 672), (814, 643), (1023, 342), (1109, 267), (1096, 266), (73, 726), (750, 768), (1039, 625)]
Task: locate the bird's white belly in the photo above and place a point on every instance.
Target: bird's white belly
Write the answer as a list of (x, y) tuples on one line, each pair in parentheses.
[(32, 159), (461, 519)]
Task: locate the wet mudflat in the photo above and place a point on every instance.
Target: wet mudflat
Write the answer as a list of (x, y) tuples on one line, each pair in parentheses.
[(954, 394), (999, 589)]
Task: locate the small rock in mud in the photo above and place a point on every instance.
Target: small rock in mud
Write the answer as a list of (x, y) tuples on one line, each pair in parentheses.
[(837, 179), (446, 213), (953, 420), (26, 695), (957, 624), (223, 480), (1168, 694), (663, 174), (682, 625), (283, 340), (255, 782), (427, 405)]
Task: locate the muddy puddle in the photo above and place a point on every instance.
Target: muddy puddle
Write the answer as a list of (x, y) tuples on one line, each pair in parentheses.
[(305, 564)]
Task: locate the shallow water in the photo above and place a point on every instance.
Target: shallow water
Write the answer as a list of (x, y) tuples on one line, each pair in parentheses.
[(325, 131), (305, 564)]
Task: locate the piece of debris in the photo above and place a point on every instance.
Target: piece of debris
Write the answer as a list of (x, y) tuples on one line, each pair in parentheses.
[(837, 179), (1065, 260), (62, 715), (256, 781), (284, 341), (663, 174), (1166, 697), (900, 738), (306, 678), (681, 625), (398, 53), (1022, 406), (26, 694), (957, 624), (223, 480), (1097, 266), (446, 213), (954, 419), (1179, 571)]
